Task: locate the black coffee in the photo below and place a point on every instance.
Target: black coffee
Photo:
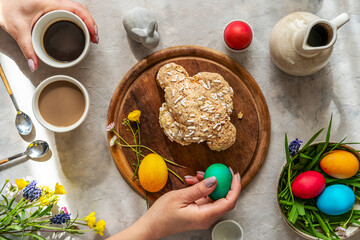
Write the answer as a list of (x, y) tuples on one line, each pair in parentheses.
[(64, 41)]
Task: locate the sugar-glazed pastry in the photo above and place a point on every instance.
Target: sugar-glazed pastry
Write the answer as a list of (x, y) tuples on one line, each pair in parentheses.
[(197, 108)]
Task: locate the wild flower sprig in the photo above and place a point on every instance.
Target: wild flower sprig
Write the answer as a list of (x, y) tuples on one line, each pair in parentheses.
[(26, 211), (134, 116)]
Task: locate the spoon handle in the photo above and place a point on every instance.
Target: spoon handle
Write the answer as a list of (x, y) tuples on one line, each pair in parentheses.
[(11, 158), (6, 83)]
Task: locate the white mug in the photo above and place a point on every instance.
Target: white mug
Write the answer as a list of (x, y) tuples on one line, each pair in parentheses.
[(42, 25), (227, 229), (35, 103)]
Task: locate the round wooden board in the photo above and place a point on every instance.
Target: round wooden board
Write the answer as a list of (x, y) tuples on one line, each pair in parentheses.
[(138, 90)]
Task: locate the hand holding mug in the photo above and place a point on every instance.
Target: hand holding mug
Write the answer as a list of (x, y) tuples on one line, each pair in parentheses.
[(19, 16)]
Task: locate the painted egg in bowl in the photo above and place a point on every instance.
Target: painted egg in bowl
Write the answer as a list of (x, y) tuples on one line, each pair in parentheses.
[(297, 210)]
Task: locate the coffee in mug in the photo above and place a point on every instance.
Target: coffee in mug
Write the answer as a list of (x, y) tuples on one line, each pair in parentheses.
[(61, 39), (64, 41)]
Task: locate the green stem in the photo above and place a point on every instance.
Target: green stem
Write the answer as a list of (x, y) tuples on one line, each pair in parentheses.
[(166, 160), (120, 137), (41, 230), (176, 175), (289, 182), (352, 212), (138, 152), (51, 228), (6, 181), (138, 148)]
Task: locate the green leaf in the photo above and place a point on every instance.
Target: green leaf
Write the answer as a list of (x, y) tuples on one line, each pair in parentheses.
[(313, 162), (22, 214), (311, 208), (283, 202), (320, 147), (35, 213), (5, 198), (328, 132), (11, 203), (46, 210), (14, 227), (322, 224), (312, 139), (323, 145), (35, 236), (300, 207), (304, 156), (355, 221), (316, 233), (293, 215)]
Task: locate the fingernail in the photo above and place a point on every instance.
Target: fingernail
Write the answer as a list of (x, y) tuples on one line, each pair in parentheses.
[(96, 30), (232, 172), (209, 182), (96, 34), (31, 64), (200, 173), (239, 178), (188, 177)]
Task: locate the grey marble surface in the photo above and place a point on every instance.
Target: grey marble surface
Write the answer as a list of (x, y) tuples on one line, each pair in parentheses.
[(80, 160)]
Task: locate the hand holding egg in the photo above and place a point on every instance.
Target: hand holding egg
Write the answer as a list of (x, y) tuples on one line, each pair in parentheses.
[(224, 178)]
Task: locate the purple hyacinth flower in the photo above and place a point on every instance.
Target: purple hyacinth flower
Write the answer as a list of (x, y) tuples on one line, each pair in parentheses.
[(294, 147), (31, 192), (60, 218)]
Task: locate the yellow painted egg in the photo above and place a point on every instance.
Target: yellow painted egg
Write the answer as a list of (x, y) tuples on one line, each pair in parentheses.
[(340, 164), (153, 173)]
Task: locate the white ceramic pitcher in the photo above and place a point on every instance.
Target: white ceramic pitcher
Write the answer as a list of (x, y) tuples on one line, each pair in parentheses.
[(301, 43)]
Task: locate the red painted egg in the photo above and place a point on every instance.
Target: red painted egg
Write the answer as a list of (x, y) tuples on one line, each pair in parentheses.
[(308, 184), (238, 35)]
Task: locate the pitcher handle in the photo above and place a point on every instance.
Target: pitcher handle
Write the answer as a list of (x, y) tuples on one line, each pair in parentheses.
[(340, 20)]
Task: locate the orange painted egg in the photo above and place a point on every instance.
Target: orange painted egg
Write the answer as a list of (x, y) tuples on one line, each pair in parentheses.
[(340, 164), (153, 173)]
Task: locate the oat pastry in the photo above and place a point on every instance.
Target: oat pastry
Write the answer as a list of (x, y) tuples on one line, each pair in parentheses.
[(197, 108)]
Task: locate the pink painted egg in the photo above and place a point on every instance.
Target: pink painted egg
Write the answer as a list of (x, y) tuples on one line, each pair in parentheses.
[(308, 184)]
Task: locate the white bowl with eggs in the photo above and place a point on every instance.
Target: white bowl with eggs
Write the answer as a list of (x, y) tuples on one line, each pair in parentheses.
[(351, 229)]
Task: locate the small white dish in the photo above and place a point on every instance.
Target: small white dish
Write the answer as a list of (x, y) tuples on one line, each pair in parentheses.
[(235, 50), (35, 103), (42, 25), (227, 229)]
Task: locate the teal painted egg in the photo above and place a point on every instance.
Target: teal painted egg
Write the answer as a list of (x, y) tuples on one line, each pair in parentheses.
[(223, 178), (336, 199)]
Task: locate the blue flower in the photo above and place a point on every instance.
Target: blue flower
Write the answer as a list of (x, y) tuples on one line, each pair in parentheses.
[(294, 147), (31, 192), (60, 218)]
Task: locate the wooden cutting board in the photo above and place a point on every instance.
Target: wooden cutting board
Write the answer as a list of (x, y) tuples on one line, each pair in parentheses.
[(138, 90)]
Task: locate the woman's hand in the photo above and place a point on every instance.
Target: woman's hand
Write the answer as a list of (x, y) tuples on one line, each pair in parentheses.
[(183, 210), (18, 17)]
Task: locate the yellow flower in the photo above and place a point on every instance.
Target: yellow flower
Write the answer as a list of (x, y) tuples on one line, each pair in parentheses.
[(47, 196), (46, 191), (21, 183), (59, 189), (134, 116), (100, 227), (90, 219)]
